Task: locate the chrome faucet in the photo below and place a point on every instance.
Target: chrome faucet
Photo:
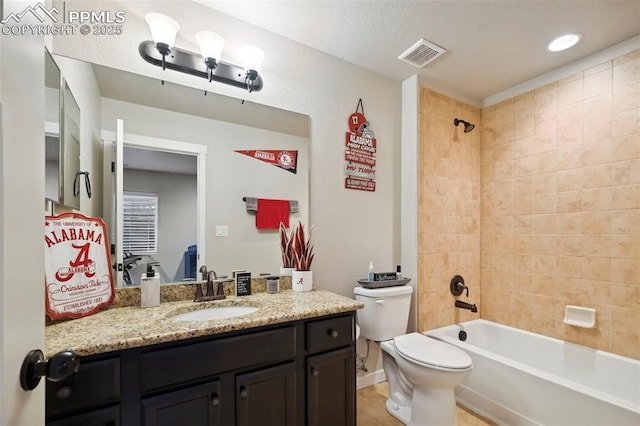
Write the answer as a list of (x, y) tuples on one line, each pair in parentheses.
[(465, 305)]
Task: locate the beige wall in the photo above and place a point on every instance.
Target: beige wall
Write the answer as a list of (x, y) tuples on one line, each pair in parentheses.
[(448, 208), (560, 207)]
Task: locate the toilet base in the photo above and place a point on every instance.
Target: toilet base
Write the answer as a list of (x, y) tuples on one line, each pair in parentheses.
[(403, 414), (437, 407)]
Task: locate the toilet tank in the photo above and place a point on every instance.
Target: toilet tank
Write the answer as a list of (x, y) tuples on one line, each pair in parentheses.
[(385, 313)]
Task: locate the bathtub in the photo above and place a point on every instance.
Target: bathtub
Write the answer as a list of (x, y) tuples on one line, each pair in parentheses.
[(522, 378)]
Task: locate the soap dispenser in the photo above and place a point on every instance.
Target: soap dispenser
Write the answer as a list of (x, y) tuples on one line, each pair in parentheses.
[(150, 288)]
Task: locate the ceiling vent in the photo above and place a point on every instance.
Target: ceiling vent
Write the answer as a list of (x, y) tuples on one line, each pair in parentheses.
[(421, 53)]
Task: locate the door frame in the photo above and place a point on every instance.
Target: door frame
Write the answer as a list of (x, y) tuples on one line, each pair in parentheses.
[(176, 147)]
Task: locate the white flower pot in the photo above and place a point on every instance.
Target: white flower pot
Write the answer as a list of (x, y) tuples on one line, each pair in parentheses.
[(286, 271), (302, 280)]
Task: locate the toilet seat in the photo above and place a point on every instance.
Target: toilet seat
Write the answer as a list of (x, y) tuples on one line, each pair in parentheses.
[(431, 353)]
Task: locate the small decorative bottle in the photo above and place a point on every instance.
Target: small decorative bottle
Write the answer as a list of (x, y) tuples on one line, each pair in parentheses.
[(370, 271)]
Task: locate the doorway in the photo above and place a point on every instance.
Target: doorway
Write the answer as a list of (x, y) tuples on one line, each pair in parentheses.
[(174, 173)]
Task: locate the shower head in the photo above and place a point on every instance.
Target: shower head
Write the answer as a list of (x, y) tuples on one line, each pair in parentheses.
[(467, 126)]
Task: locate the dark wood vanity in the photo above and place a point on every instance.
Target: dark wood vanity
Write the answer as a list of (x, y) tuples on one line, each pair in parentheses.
[(293, 373)]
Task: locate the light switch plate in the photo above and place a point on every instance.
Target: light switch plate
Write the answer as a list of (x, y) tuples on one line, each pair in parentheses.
[(222, 231)]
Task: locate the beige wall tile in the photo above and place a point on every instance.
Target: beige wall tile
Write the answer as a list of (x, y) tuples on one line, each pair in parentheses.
[(626, 123), (569, 201), (571, 92), (598, 129), (546, 100), (556, 202), (523, 106), (625, 295), (571, 115), (625, 74), (597, 199), (596, 222), (597, 245), (626, 197), (626, 172), (626, 98), (571, 135), (598, 83), (596, 268), (625, 271), (595, 153), (625, 221), (625, 148), (597, 106)]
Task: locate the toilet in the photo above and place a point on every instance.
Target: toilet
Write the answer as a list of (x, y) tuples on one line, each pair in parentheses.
[(421, 371)]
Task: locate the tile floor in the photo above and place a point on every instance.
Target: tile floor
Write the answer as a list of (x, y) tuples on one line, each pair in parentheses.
[(371, 410)]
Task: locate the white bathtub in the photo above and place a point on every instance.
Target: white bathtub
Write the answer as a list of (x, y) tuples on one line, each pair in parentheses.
[(522, 378)]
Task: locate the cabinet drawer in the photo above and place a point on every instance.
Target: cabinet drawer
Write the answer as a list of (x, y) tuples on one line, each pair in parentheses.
[(105, 417), (95, 384), (328, 334), (196, 361)]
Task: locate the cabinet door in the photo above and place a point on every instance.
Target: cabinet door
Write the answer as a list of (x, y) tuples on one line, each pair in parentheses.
[(197, 405), (266, 397), (331, 398)]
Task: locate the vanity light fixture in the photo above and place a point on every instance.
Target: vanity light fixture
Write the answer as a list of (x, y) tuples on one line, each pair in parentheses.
[(564, 42), (162, 52)]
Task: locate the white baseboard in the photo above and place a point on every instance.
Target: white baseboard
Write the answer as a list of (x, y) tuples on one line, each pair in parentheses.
[(370, 378)]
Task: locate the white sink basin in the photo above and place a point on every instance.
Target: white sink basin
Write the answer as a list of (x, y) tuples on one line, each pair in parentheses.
[(215, 313)]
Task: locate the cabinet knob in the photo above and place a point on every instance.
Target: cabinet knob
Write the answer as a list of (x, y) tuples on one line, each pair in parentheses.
[(333, 333), (243, 392), (215, 400), (314, 372), (64, 393)]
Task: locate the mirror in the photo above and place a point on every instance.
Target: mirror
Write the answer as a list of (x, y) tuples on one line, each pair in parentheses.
[(70, 150), (53, 148), (173, 114)]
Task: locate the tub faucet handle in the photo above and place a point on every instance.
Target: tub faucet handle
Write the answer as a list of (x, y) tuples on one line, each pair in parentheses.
[(457, 285)]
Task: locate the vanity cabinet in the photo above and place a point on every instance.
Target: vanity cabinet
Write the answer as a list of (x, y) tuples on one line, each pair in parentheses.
[(295, 373)]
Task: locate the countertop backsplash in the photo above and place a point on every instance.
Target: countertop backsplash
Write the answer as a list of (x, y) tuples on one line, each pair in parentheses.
[(174, 292)]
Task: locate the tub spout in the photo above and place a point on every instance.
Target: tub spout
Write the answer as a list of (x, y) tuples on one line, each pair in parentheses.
[(465, 305)]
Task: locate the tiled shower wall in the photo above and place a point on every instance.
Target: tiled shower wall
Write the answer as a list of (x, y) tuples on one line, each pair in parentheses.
[(561, 207), (558, 170), (448, 208)]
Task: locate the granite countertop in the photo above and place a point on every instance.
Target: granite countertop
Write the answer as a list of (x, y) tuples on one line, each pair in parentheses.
[(133, 326)]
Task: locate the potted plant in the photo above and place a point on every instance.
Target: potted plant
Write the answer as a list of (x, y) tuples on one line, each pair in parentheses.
[(302, 276), (286, 247)]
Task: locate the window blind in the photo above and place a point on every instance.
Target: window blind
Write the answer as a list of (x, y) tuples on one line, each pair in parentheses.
[(140, 223)]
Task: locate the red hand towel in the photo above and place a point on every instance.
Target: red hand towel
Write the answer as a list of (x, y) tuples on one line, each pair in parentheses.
[(271, 212)]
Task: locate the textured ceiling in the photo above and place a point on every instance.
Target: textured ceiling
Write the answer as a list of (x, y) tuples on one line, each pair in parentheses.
[(491, 45)]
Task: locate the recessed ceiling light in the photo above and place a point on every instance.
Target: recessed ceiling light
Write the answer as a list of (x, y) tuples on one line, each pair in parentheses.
[(564, 42)]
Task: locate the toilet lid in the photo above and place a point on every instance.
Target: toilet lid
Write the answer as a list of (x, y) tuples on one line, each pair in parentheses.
[(428, 351)]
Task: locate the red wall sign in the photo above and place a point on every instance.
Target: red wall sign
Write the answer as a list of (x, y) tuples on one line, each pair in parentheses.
[(361, 146), (78, 274)]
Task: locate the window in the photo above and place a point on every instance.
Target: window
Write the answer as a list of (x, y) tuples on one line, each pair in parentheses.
[(140, 224)]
